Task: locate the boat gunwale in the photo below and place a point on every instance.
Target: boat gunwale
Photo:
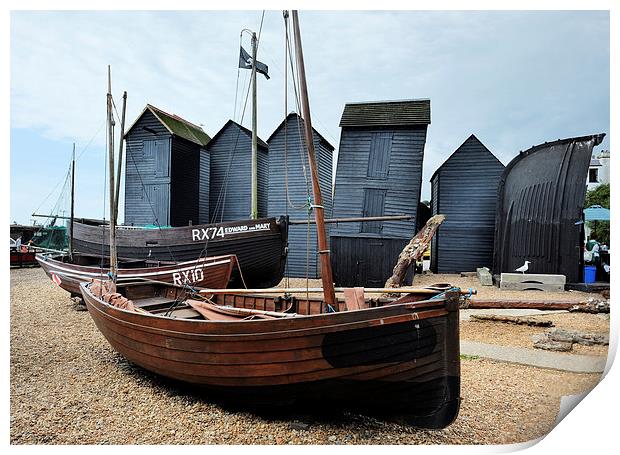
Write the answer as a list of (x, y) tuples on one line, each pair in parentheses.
[(407, 311)]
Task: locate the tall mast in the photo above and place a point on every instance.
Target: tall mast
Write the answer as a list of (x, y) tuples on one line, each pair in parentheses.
[(113, 271), (254, 208), (319, 215), (120, 159), (72, 203)]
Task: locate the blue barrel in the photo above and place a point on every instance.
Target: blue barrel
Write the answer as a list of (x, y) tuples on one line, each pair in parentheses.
[(589, 274)]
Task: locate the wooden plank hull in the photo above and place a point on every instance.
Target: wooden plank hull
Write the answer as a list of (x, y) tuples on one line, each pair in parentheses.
[(399, 359), (260, 245), (203, 272)]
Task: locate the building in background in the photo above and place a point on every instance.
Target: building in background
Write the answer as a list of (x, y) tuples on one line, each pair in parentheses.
[(230, 184), (598, 173), (464, 189), (165, 163), (290, 187), (379, 172)]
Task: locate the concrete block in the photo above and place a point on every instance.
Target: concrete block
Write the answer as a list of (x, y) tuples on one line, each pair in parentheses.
[(525, 286), (533, 277), (484, 275)]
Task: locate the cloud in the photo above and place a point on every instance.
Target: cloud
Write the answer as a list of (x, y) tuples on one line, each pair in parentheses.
[(514, 79)]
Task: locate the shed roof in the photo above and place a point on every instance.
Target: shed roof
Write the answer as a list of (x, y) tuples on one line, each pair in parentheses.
[(387, 113), (471, 138), (288, 119), (243, 129), (176, 125)]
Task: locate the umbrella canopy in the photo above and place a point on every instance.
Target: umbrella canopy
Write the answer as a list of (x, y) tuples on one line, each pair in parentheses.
[(596, 213)]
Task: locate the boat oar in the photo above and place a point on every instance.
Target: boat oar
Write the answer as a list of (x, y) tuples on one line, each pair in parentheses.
[(320, 290)]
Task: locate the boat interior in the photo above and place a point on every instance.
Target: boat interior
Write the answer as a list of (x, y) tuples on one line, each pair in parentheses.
[(177, 302)]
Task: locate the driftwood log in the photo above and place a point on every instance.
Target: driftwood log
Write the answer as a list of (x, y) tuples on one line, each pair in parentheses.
[(519, 320), (413, 251)]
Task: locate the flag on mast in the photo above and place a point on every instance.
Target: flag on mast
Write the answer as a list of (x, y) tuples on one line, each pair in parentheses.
[(245, 61)]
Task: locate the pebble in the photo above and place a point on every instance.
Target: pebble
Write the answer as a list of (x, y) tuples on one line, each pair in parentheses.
[(68, 386)]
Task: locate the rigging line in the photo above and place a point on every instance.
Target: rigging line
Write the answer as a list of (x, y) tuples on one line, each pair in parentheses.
[(275, 64), (286, 186), (148, 199), (91, 140), (103, 236), (237, 84), (302, 141), (285, 130), (54, 189)]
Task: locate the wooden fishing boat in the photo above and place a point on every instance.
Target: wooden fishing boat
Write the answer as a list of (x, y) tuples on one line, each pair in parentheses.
[(202, 272), (396, 356), (259, 245), (384, 356)]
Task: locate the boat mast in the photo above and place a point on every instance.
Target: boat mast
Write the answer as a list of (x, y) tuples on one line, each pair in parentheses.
[(254, 208), (326, 269), (113, 271), (72, 203), (120, 159)]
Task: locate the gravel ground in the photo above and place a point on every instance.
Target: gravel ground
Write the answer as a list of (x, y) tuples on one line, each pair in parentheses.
[(493, 292), (521, 336), (69, 387)]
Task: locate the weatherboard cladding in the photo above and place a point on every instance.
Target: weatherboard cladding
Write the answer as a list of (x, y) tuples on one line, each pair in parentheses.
[(231, 174), (287, 165), (379, 172), (141, 164), (464, 189), (402, 182), (162, 175)]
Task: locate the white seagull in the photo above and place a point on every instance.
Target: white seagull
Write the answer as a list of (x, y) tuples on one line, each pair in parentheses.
[(523, 268)]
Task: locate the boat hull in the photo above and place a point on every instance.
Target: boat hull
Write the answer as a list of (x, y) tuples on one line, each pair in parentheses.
[(211, 272), (400, 360), (260, 246)]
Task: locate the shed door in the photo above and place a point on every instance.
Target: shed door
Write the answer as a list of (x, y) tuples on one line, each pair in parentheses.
[(159, 199), (379, 159), (374, 201), (158, 151)]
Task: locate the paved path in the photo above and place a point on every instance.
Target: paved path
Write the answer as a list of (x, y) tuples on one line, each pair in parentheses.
[(535, 357)]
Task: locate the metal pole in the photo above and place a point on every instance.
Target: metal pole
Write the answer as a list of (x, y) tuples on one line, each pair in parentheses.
[(254, 208), (72, 203), (120, 159), (326, 269), (113, 269), (361, 219)]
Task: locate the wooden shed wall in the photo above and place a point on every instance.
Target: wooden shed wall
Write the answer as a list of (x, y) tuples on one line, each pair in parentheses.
[(288, 166), (230, 176), (464, 189), (402, 182), (149, 166), (185, 174)]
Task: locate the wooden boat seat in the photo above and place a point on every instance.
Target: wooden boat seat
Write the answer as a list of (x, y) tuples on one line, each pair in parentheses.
[(354, 299), (214, 312), (153, 302)]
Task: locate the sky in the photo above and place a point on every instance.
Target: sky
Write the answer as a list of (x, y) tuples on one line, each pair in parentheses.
[(514, 79)]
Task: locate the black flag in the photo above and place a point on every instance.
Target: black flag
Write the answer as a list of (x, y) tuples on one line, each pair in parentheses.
[(245, 61)]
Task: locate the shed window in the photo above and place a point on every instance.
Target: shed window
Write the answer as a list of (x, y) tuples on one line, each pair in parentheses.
[(593, 176), (374, 201), (379, 159)]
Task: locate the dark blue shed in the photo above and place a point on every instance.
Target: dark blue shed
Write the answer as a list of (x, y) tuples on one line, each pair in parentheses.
[(379, 172), (166, 166), (464, 189), (230, 190), (290, 186)]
